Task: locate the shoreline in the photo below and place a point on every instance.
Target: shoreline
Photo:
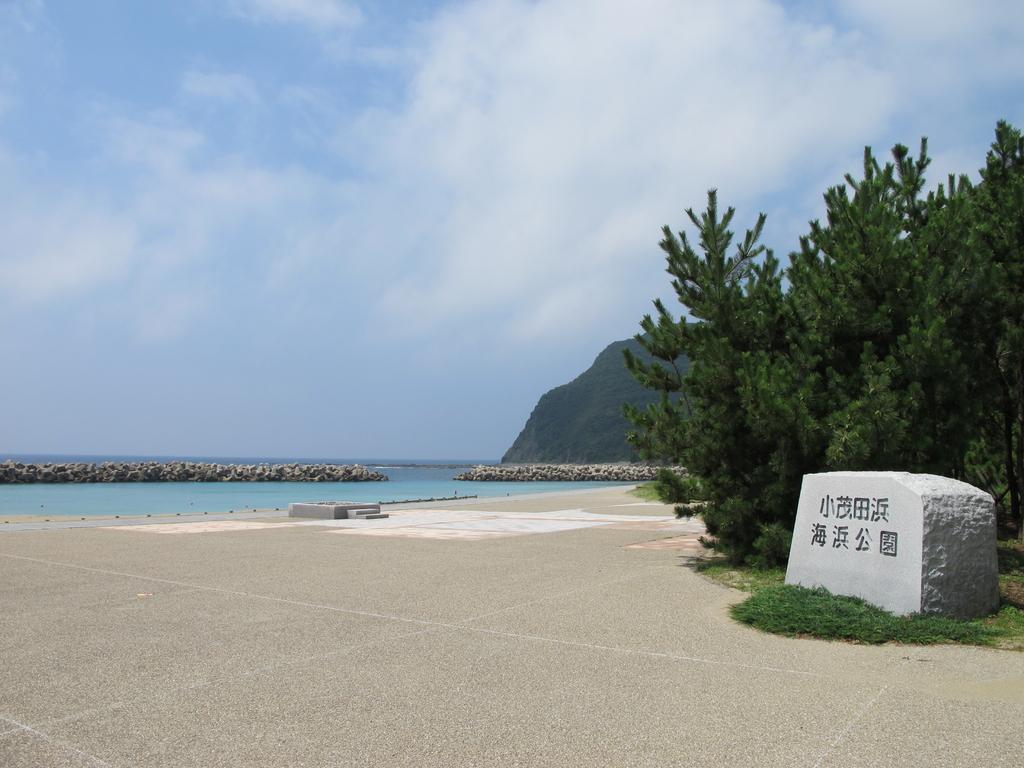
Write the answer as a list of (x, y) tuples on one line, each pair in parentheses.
[(77, 521), (33, 518)]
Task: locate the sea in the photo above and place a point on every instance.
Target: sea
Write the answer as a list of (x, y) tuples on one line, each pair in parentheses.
[(409, 479)]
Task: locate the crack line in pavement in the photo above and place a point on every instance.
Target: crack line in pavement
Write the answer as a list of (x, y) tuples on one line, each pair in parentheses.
[(550, 597), (113, 707), (49, 739), (223, 590), (251, 672), (425, 622), (636, 652), (307, 659), (849, 727)]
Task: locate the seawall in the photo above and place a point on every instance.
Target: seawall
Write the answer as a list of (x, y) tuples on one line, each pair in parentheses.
[(16, 472), (622, 473)]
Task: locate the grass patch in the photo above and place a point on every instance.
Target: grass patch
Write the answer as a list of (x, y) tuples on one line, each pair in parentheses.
[(798, 612), (1008, 625), (745, 579), (1011, 572), (646, 491), (783, 609)]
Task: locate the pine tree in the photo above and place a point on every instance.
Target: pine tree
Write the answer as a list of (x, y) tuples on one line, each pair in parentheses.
[(878, 301), (899, 344), (997, 242), (734, 303)]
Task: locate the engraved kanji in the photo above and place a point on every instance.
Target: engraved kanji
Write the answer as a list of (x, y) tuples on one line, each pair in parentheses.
[(842, 507), (880, 511), (861, 508), (818, 534), (863, 540), (826, 507), (887, 543)]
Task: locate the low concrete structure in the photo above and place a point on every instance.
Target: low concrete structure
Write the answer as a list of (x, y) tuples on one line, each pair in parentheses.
[(908, 543), (336, 510)]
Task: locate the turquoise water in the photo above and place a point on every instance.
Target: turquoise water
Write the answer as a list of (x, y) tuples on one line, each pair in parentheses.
[(407, 482)]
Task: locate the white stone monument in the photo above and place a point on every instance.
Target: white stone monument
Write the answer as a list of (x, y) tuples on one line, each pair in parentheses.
[(907, 543)]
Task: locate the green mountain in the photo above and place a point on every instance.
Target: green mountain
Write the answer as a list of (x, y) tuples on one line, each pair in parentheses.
[(582, 421)]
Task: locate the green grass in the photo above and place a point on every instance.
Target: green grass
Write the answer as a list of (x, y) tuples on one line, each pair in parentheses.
[(1011, 572), (647, 492), (799, 612), (784, 609), (745, 579)]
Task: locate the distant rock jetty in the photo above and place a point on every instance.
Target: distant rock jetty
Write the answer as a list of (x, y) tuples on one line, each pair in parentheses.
[(622, 473), (13, 472)]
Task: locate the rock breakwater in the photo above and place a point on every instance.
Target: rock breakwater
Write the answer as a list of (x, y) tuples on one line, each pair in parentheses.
[(622, 473), (16, 472)]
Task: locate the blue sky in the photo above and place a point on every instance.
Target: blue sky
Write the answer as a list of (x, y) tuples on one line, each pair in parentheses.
[(332, 228)]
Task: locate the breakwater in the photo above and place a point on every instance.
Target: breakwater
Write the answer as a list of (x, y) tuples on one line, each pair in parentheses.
[(16, 472), (623, 473)]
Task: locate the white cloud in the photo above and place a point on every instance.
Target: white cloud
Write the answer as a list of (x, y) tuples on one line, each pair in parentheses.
[(166, 314), (186, 232), (542, 145), (28, 46), (220, 86), (56, 248), (25, 15), (938, 22), (156, 142), (941, 46), (517, 190), (316, 14)]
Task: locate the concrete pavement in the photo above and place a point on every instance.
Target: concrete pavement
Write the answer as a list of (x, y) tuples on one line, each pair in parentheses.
[(306, 645)]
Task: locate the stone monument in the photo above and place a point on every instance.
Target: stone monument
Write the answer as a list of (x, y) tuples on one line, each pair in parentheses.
[(905, 542)]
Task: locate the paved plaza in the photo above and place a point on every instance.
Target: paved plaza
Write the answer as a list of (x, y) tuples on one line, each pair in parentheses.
[(553, 630)]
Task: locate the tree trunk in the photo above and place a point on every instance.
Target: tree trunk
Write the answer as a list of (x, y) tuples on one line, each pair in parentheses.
[(1011, 472), (1018, 407)]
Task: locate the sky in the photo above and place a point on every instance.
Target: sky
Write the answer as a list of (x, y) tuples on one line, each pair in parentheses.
[(337, 228)]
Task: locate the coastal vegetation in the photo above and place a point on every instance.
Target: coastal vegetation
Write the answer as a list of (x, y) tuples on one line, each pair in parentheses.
[(647, 492), (582, 421), (894, 339)]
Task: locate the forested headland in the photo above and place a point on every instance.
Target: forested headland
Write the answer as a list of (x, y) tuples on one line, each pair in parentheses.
[(582, 421)]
